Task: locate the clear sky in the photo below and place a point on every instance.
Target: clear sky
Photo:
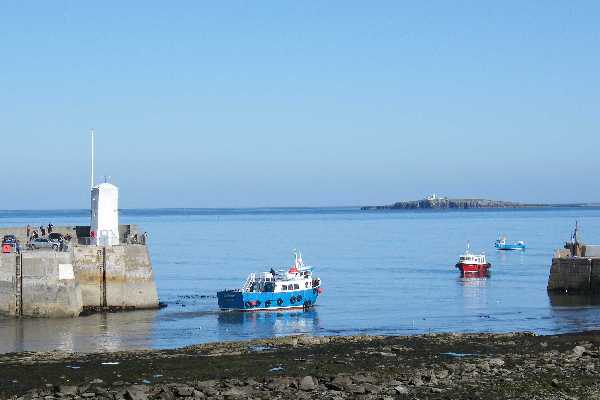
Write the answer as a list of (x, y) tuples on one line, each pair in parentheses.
[(294, 103)]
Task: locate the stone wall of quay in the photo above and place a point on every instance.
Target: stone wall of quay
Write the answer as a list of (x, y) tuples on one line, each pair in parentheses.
[(574, 274), (49, 285), (62, 284), (115, 277), (8, 265)]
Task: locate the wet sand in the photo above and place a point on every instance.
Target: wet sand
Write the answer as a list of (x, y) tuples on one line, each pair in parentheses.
[(439, 366)]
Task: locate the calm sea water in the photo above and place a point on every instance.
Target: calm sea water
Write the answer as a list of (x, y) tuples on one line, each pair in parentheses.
[(383, 273)]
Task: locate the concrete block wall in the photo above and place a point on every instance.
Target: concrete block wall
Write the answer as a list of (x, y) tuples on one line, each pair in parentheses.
[(574, 274), (49, 285), (61, 284), (8, 264), (595, 276), (125, 271), (129, 277), (87, 263)]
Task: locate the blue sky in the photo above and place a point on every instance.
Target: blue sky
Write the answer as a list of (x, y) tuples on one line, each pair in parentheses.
[(280, 103)]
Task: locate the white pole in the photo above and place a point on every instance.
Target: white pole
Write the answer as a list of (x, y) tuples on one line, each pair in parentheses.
[(92, 176)]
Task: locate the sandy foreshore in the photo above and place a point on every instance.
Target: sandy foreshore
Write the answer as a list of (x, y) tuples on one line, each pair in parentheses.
[(440, 366)]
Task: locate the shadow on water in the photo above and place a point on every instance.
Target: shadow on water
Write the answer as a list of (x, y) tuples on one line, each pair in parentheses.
[(267, 324), (573, 300)]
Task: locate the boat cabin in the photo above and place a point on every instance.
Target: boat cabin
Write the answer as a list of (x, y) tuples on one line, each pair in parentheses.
[(472, 259), (281, 281)]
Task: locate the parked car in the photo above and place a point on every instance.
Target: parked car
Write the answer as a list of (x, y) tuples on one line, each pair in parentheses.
[(12, 241), (59, 239), (44, 243), (56, 237)]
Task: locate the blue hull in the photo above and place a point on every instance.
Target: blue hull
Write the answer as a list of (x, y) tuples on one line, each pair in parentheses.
[(267, 301), (510, 246)]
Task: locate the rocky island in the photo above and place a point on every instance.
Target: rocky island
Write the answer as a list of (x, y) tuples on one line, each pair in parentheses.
[(435, 202)]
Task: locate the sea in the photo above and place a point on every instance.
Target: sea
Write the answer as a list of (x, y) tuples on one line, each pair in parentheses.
[(383, 273)]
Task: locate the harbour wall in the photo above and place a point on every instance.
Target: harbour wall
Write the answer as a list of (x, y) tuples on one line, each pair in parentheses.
[(39, 284), (574, 274), (48, 283), (8, 266), (115, 277), (49, 288)]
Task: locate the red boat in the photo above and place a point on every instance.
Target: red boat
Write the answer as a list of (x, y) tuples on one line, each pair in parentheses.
[(473, 264)]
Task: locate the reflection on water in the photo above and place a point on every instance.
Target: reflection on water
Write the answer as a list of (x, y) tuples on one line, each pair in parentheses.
[(266, 324), (474, 291), (473, 282), (474, 278), (98, 332), (577, 311), (512, 257), (573, 300)]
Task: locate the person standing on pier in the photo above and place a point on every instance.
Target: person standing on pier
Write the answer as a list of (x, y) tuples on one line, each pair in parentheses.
[(28, 232), (50, 227), (43, 230)]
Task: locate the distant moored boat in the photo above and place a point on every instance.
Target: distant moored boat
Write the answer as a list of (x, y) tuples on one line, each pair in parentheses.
[(473, 264), (502, 244)]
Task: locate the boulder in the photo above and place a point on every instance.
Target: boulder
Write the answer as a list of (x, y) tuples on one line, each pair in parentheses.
[(308, 383), (496, 362), (443, 373), (340, 382), (400, 389), (234, 394), (578, 351), (67, 390), (184, 390), (280, 384), (308, 340), (137, 392)]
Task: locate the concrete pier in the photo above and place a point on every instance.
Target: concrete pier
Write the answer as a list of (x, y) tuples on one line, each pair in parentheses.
[(115, 277), (575, 269), (48, 283)]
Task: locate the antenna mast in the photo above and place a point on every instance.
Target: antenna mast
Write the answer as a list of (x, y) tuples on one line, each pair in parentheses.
[(92, 175)]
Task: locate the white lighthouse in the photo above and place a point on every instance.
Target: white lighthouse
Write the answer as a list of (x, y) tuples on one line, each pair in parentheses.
[(104, 229), (104, 226)]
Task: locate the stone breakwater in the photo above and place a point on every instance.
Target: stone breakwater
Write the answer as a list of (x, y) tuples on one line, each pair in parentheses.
[(441, 366), (83, 277)]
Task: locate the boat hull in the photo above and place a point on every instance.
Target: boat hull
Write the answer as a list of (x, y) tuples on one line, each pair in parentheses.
[(509, 247), (267, 301), (474, 269)]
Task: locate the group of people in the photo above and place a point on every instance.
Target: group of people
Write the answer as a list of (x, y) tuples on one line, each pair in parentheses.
[(33, 234)]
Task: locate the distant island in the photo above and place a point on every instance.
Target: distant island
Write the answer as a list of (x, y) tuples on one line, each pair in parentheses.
[(436, 202)]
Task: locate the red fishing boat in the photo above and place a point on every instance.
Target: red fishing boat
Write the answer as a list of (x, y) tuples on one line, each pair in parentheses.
[(471, 264)]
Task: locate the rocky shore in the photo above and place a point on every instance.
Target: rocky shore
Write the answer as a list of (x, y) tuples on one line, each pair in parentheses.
[(439, 366)]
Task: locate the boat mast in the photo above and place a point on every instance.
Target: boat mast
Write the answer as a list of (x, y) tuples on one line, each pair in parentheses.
[(92, 169)]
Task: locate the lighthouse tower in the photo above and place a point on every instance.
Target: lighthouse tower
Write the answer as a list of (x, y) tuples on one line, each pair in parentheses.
[(104, 228)]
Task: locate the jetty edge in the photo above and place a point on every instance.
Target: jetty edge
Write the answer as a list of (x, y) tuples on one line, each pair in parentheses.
[(104, 267), (434, 366), (575, 269), (435, 202)]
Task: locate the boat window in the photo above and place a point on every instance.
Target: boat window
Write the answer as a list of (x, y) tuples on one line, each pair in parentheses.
[(296, 286), (283, 287), (269, 287)]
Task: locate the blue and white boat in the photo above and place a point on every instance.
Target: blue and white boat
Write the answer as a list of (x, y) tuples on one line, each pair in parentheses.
[(502, 244), (295, 288)]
